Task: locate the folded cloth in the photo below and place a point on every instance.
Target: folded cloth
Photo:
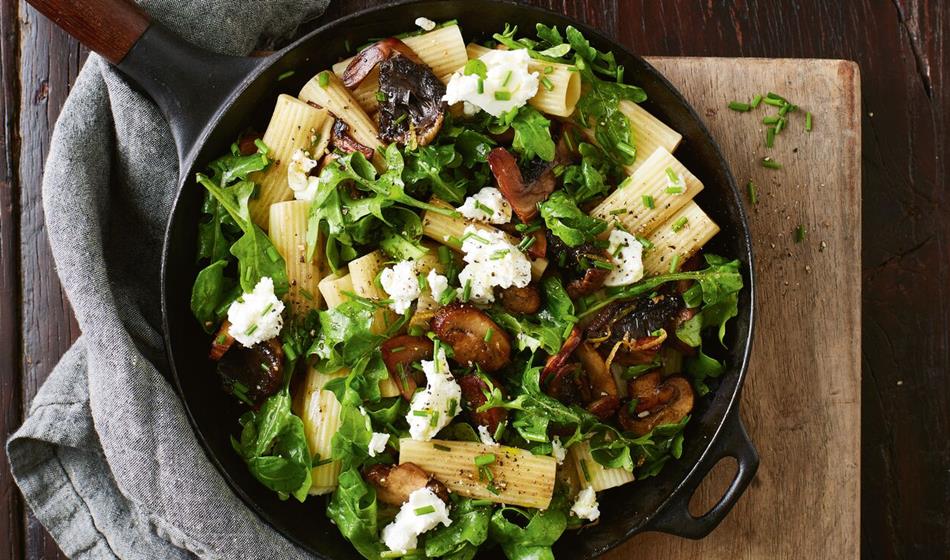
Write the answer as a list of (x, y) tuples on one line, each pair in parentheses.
[(106, 458)]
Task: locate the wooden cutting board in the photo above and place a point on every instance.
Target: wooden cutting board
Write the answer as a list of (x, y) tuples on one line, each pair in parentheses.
[(801, 402)]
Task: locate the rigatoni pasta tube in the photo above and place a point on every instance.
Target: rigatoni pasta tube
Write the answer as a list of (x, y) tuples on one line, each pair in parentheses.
[(363, 273), (593, 474), (677, 239), (293, 126), (650, 185), (518, 477), (559, 87), (449, 231), (648, 133), (288, 232), (442, 50), (320, 412), (326, 90), (334, 287)]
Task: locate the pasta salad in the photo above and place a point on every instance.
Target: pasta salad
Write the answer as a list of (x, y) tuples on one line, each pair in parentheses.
[(461, 291)]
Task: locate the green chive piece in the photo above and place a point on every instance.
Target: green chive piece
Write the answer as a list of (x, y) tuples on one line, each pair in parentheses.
[(323, 78), (800, 233), (477, 67), (250, 330), (481, 503), (755, 101), (434, 419), (603, 265), (773, 102), (424, 510), (548, 69), (488, 334), (770, 120), (484, 459), (584, 469), (740, 106), (500, 254), (380, 96), (627, 149), (674, 190), (286, 75), (680, 223), (467, 291), (420, 413), (648, 201), (618, 211), (646, 243), (548, 85), (502, 95), (674, 263), (423, 283), (753, 197), (507, 79), (770, 137), (400, 118), (481, 85), (780, 125), (453, 407), (773, 95), (770, 163), (808, 122), (441, 447)]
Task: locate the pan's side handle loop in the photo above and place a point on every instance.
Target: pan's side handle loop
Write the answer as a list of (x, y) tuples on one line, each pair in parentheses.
[(108, 27), (676, 519)]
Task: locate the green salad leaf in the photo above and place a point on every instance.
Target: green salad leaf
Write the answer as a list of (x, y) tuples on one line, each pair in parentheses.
[(211, 295), (461, 539), (353, 509), (532, 134), (568, 222), (532, 541)]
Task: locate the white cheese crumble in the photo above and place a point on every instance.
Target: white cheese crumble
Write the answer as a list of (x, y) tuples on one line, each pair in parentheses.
[(298, 176), (627, 254), (492, 261), (377, 443), (507, 83), (485, 436), (403, 533), (402, 285), (557, 450), (586, 506), (528, 342), (487, 205), (425, 23), (256, 316), (437, 284), (433, 408)]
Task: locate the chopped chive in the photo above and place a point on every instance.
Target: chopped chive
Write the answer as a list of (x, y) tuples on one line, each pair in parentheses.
[(773, 102), (322, 462), (548, 69), (644, 242), (447, 296), (475, 236), (502, 95), (753, 197), (619, 73), (485, 209), (674, 190), (500, 254), (617, 211), (603, 265), (584, 469), (755, 101), (250, 330), (434, 419), (420, 412), (627, 149), (771, 163), (481, 86), (773, 95), (808, 122), (264, 367), (423, 283), (444, 256), (323, 78), (467, 291), (507, 79), (286, 75), (740, 106), (266, 309), (488, 334), (800, 233), (380, 96), (424, 510), (780, 125), (476, 66), (526, 243), (273, 254), (453, 406), (441, 447), (397, 349), (305, 293), (770, 137), (648, 201), (400, 118), (548, 85), (481, 503), (770, 120), (485, 459), (680, 223), (674, 263)]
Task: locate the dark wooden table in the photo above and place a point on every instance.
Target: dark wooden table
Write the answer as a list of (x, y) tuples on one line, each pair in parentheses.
[(902, 48)]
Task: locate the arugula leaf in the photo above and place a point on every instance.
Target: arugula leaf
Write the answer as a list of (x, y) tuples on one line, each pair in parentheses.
[(589, 178), (353, 509), (567, 221), (401, 239), (345, 336), (431, 166), (211, 290), (532, 134), (534, 540), (702, 367), (461, 539)]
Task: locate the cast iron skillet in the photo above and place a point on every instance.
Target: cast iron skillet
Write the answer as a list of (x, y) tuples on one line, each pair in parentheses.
[(209, 99)]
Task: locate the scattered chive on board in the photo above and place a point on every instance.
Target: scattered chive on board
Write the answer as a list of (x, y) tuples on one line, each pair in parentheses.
[(740, 106), (800, 233), (770, 163), (753, 197)]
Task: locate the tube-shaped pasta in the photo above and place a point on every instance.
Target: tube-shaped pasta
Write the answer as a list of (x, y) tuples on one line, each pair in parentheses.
[(650, 185), (648, 132), (333, 288), (326, 90), (677, 239), (293, 126), (517, 476), (559, 90), (320, 412), (288, 232), (590, 472), (363, 273), (449, 231), (442, 50)]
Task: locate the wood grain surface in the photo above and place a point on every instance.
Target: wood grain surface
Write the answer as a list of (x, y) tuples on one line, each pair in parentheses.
[(901, 48)]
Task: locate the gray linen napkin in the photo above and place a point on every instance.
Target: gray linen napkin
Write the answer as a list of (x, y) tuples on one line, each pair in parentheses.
[(106, 458)]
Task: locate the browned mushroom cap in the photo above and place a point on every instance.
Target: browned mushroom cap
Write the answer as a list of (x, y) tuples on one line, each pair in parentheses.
[(399, 353), (521, 195), (221, 342), (557, 361), (602, 383), (629, 320), (568, 384), (659, 401), (525, 300), (604, 407), (539, 249), (394, 483), (367, 59), (465, 329), (254, 373), (246, 144), (570, 261), (346, 143), (473, 396), (412, 110)]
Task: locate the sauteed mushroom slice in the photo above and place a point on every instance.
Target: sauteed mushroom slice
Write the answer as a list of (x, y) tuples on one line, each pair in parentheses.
[(413, 109), (556, 362), (255, 373), (473, 396), (525, 300), (367, 59), (602, 383), (399, 353), (221, 342), (522, 195), (346, 143), (604, 407), (628, 320), (466, 330), (394, 483), (659, 401), (568, 384), (577, 263)]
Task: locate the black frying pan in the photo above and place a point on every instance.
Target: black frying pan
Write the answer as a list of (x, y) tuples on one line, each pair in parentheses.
[(238, 92)]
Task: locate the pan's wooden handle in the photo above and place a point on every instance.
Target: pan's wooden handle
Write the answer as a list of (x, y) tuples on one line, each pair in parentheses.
[(109, 27)]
